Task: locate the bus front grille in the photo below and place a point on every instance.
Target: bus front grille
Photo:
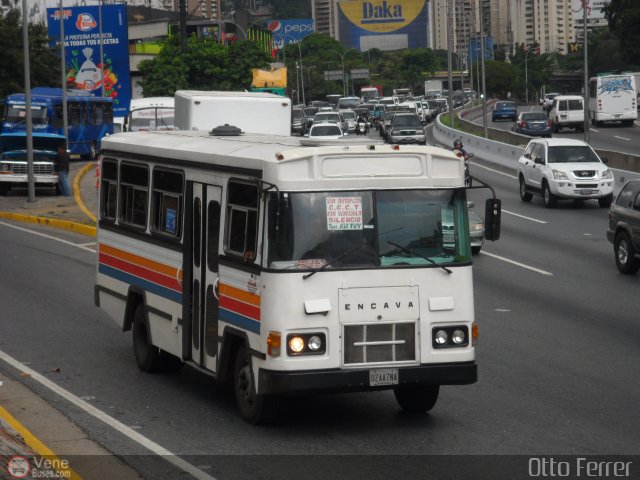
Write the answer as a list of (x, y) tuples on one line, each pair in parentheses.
[(379, 343)]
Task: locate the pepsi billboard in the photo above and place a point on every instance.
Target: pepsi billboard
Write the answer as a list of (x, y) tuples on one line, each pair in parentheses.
[(85, 69), (383, 24), (286, 32)]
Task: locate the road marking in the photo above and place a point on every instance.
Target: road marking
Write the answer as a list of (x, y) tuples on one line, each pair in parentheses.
[(494, 170), (85, 244), (591, 129), (522, 216), (622, 138), (112, 422), (518, 264), (51, 237)]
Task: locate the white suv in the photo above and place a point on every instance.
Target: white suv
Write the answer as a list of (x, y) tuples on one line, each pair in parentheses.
[(557, 168)]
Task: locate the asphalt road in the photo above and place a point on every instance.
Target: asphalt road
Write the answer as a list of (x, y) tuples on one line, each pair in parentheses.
[(608, 137), (558, 362)]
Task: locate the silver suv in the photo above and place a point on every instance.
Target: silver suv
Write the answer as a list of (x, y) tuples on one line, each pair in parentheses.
[(406, 128), (557, 168)]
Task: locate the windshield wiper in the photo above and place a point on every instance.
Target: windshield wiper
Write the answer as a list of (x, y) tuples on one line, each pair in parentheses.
[(334, 260), (412, 252)]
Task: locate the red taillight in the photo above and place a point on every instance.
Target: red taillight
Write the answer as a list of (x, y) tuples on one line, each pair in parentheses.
[(521, 124)]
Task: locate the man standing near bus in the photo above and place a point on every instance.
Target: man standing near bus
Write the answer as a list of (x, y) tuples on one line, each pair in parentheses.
[(62, 169)]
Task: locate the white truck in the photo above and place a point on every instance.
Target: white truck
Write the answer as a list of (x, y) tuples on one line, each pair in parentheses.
[(432, 88), (251, 112)]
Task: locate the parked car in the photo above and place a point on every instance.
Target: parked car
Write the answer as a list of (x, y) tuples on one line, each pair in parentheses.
[(534, 124), (406, 128), (547, 101), (502, 110), (624, 227), (325, 131), (561, 168), (567, 111)]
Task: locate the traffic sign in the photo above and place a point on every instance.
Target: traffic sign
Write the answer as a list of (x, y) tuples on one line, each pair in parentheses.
[(359, 73), (333, 74)]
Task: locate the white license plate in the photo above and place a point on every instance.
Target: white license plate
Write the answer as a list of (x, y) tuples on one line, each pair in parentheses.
[(586, 191), (383, 376)]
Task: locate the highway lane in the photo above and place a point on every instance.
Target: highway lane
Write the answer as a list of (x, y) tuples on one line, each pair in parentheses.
[(557, 356), (608, 137)]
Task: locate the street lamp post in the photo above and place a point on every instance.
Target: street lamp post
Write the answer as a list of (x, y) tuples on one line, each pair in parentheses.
[(299, 67), (449, 73), (342, 55), (484, 83), (526, 74), (586, 74)]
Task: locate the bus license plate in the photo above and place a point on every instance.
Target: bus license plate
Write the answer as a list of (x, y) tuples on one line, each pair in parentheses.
[(383, 376)]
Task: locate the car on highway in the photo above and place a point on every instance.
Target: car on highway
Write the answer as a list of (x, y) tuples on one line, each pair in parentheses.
[(624, 227), (299, 121), (476, 229), (330, 117), (567, 111), (349, 117), (547, 101), (562, 168), (406, 128), (534, 124), (325, 131), (504, 110)]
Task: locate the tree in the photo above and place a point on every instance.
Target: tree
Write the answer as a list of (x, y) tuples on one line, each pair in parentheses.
[(624, 17), (205, 65), (45, 63), (500, 78)]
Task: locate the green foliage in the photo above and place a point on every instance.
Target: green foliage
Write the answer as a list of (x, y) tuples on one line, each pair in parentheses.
[(624, 17), (44, 62), (501, 78), (205, 65)]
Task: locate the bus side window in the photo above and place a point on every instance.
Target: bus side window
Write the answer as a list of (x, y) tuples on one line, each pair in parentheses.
[(167, 201), (242, 220), (109, 190), (134, 194), (74, 114)]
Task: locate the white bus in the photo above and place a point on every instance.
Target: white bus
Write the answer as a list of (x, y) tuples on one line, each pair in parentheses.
[(613, 98), (286, 269), (151, 113)]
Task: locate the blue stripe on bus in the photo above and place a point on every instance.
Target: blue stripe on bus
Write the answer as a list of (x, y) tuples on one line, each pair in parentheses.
[(140, 282), (239, 320)]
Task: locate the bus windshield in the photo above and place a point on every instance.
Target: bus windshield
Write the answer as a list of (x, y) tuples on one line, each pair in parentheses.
[(367, 229), (151, 118), (18, 113)]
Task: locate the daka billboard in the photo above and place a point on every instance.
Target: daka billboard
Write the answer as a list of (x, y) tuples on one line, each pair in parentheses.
[(383, 24), (286, 32), (82, 51)]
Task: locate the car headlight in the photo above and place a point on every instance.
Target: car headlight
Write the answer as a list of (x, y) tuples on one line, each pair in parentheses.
[(607, 174), (475, 227), (559, 175)]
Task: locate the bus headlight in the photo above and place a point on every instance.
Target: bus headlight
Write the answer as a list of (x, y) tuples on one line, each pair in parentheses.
[(450, 336), (306, 344)]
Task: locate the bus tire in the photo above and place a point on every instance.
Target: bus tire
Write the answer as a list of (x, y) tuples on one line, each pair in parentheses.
[(254, 408), (147, 355), (417, 398)]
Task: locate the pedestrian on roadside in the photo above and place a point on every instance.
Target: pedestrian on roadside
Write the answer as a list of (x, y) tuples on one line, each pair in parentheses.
[(61, 163)]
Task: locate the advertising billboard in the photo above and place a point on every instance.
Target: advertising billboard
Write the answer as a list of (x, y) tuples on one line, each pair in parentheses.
[(383, 24), (85, 69), (286, 32)]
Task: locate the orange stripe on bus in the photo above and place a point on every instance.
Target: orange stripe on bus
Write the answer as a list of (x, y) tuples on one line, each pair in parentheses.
[(138, 260), (238, 294)]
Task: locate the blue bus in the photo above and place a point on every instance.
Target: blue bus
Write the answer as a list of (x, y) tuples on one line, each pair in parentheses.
[(89, 118)]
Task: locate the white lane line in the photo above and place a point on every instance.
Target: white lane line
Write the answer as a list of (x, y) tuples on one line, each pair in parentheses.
[(112, 422), (518, 264), (51, 237), (493, 170), (622, 138), (522, 216), (85, 244), (591, 129)]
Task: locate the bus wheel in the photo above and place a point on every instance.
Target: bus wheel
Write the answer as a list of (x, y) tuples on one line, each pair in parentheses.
[(147, 356), (417, 398), (253, 408)]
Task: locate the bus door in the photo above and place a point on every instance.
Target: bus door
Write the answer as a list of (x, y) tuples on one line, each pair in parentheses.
[(200, 260)]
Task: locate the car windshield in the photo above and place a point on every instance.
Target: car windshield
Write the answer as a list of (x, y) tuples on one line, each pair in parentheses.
[(296, 114), (151, 118), (348, 103), (406, 121), (325, 130), (377, 228), (18, 114), (349, 115), (504, 106), (534, 116), (572, 154), (326, 117)]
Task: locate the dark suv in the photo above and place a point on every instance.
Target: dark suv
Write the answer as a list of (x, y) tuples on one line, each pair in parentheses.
[(624, 227)]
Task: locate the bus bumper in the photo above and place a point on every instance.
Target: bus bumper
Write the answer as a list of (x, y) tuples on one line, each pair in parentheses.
[(335, 380)]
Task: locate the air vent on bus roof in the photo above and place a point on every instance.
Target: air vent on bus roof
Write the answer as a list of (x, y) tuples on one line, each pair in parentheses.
[(226, 130)]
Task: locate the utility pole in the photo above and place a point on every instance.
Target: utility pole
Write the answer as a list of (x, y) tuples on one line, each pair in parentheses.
[(586, 73), (484, 84), (27, 103), (450, 73)]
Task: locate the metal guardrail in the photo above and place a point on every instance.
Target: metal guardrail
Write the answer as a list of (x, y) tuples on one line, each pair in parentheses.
[(509, 148)]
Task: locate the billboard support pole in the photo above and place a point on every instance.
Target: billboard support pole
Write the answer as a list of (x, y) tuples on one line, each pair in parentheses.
[(63, 68), (586, 73)]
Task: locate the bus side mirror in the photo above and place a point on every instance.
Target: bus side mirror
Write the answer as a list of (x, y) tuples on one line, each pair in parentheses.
[(492, 215)]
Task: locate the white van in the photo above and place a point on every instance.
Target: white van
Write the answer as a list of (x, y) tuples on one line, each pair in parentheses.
[(567, 111)]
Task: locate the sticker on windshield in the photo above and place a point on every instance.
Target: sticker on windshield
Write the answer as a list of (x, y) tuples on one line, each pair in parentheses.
[(344, 213)]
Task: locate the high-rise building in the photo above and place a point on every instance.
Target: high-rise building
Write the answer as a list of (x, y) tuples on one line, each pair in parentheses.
[(325, 17)]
